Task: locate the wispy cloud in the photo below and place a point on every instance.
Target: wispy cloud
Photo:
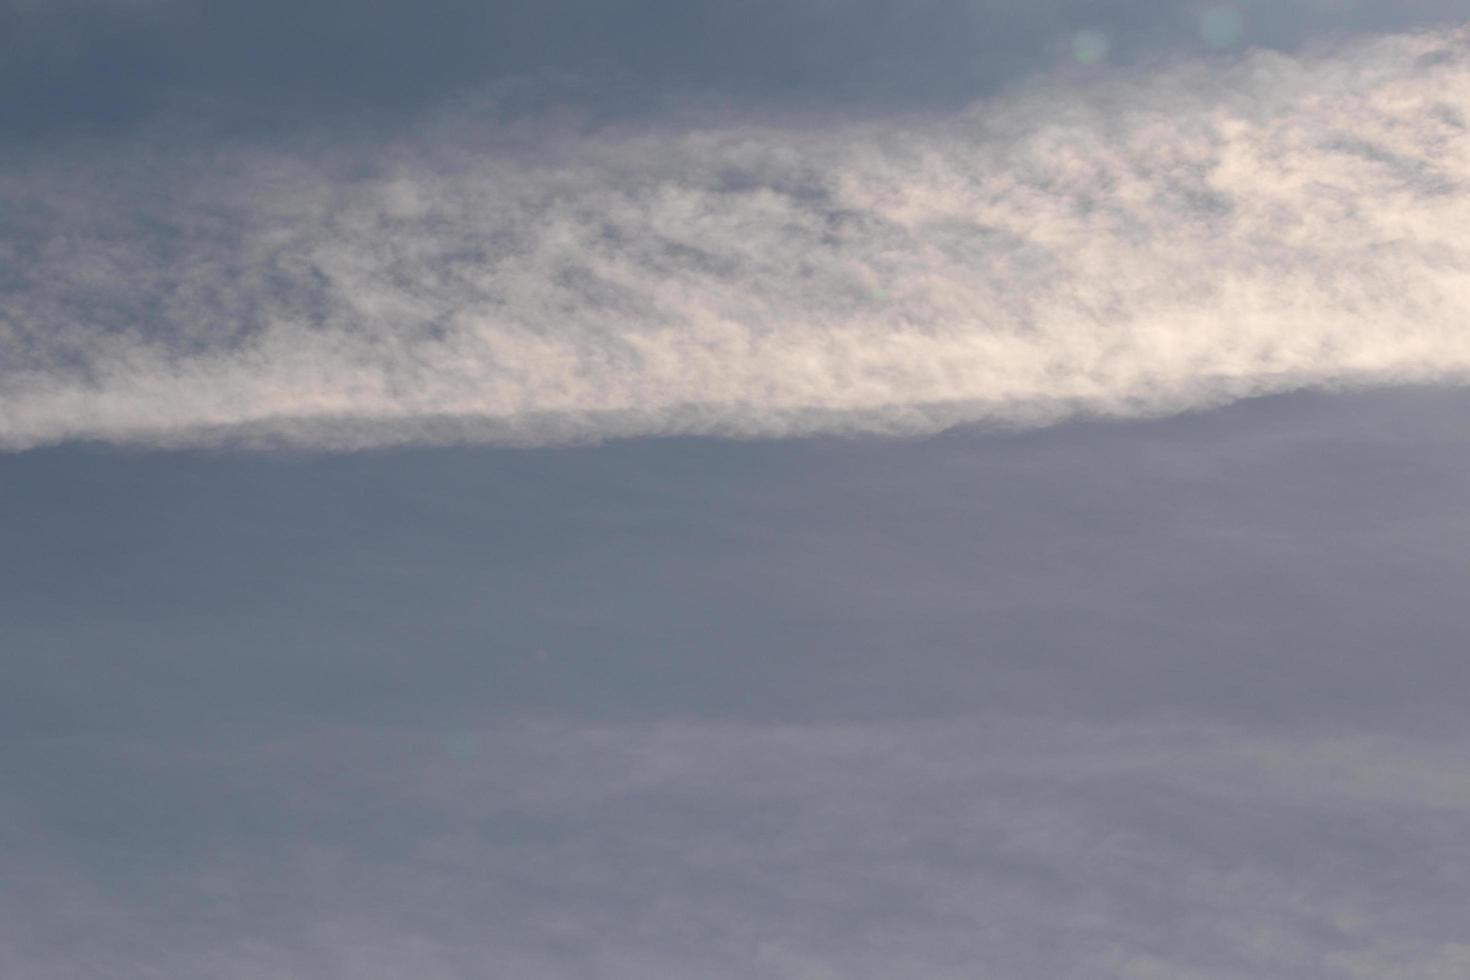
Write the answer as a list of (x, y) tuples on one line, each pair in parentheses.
[(1002, 848), (1137, 245)]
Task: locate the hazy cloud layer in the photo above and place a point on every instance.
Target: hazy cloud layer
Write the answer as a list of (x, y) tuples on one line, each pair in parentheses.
[(1005, 848), (1121, 245), (1174, 699)]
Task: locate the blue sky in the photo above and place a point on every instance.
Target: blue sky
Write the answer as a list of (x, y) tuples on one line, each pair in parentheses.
[(797, 491)]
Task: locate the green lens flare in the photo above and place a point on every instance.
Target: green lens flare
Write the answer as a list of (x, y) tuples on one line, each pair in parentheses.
[(1090, 47), (1221, 26)]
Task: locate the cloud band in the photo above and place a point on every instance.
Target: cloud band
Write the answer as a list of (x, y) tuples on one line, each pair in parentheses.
[(1144, 245)]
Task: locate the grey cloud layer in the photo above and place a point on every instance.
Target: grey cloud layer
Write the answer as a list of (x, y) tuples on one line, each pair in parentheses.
[(1140, 245), (1143, 701), (551, 850), (111, 65)]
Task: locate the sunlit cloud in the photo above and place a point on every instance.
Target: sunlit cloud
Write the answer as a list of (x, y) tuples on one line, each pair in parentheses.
[(1139, 245)]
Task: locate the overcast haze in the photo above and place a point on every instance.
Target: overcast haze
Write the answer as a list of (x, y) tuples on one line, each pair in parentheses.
[(776, 490)]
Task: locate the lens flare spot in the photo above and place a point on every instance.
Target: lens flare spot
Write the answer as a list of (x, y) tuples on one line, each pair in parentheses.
[(1221, 26), (1090, 47), (462, 746)]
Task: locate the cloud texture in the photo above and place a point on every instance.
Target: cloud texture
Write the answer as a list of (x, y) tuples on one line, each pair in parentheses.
[(714, 851), (1123, 244)]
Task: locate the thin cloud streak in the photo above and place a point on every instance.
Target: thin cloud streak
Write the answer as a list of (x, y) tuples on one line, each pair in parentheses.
[(1126, 245)]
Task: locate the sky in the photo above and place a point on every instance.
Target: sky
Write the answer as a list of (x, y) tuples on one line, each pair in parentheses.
[(821, 490)]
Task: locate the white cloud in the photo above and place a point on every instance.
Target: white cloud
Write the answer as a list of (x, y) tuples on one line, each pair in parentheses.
[(1140, 245)]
